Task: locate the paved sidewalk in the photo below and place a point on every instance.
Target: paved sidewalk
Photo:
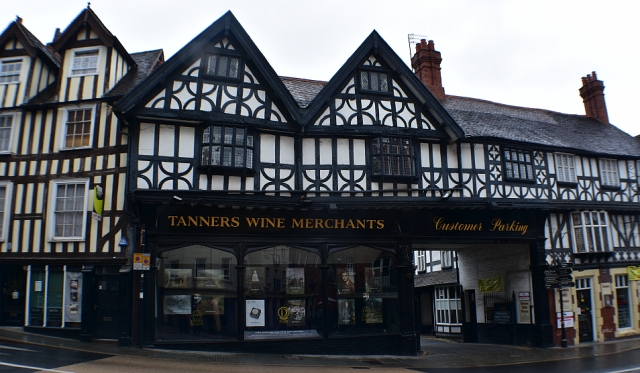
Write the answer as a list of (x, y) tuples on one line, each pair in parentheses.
[(436, 353)]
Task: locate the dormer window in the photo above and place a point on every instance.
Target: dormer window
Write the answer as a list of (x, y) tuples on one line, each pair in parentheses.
[(85, 62), (227, 146), (392, 156), (10, 71), (223, 66), (374, 81), (609, 173), (518, 164)]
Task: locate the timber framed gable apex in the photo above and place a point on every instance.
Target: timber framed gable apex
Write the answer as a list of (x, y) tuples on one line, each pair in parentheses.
[(375, 51), (31, 45), (224, 31)]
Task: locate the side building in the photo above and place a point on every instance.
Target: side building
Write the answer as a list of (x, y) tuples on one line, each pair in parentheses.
[(64, 251)]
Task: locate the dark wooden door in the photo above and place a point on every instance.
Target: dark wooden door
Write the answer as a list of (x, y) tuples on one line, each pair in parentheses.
[(107, 307), (585, 318)]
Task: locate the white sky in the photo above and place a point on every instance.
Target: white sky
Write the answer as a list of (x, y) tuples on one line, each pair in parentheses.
[(517, 52)]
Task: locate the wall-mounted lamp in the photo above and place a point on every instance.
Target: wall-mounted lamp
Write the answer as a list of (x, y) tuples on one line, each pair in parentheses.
[(123, 242), (333, 207), (177, 198), (447, 194)]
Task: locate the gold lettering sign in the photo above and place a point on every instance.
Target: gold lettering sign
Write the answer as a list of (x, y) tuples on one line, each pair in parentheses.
[(497, 225), (273, 222)]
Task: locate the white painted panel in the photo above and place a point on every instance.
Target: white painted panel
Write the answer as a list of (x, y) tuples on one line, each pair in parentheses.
[(183, 96), (267, 148), (452, 155), (308, 151), (248, 75), (167, 141), (359, 152), (478, 151), (367, 119), (287, 150), (343, 152), (158, 101), (346, 88), (398, 92), (425, 157), (147, 135), (186, 142), (325, 118), (203, 182), (217, 183), (235, 183), (271, 174), (465, 152), (276, 115), (193, 70), (344, 111), (182, 185), (436, 161), (326, 156)]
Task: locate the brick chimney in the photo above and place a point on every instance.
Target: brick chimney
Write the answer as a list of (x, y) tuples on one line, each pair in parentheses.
[(592, 93), (426, 64)]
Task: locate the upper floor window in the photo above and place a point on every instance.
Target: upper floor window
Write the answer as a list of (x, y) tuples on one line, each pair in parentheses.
[(5, 192), (10, 71), (609, 172), (518, 164), (69, 209), (374, 81), (392, 156), (224, 146), (421, 261), (591, 231), (565, 168), (221, 65), (446, 259), (78, 129), (85, 62), (6, 125)]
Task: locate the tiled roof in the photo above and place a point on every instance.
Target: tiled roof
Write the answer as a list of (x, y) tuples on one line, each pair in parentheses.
[(146, 62), (480, 118), (303, 90), (37, 44)]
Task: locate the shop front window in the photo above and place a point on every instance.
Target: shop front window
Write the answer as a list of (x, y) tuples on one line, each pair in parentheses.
[(363, 292), (197, 294), (282, 292), (55, 296)]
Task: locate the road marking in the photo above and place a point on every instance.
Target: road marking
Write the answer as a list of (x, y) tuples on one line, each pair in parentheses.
[(636, 369), (35, 368), (15, 348)]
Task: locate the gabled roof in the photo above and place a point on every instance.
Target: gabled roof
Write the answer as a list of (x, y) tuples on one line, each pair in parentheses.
[(146, 63), (32, 45), (225, 25), (374, 44), (88, 17), (486, 119), (303, 90)]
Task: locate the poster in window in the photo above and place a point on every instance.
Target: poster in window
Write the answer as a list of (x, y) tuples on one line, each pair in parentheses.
[(372, 280), (209, 279), (255, 312), (254, 279), (372, 311), (295, 280), (345, 282), (177, 278), (296, 311), (347, 311), (177, 305), (74, 295), (212, 304)]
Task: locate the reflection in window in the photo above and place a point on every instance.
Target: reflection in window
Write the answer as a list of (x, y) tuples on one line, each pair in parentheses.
[(197, 294)]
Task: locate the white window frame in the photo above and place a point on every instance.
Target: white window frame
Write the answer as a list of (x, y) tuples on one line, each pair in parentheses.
[(76, 71), (421, 261), (5, 208), (52, 208), (13, 118), (65, 120), (446, 259), (593, 235), (566, 168), (609, 175), (622, 283), (4, 74)]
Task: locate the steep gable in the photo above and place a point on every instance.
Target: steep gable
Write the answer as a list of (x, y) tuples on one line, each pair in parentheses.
[(219, 74), (374, 88)]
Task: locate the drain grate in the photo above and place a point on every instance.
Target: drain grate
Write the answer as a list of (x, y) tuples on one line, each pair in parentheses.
[(373, 362)]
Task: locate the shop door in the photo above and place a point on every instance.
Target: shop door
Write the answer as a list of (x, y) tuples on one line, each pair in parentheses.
[(585, 311), (107, 307), (13, 296)]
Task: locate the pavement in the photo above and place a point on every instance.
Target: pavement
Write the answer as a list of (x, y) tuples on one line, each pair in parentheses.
[(435, 353)]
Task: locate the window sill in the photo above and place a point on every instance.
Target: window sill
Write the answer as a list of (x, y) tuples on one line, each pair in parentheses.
[(568, 184), (78, 148), (72, 75), (610, 187), (222, 170), (395, 179), (67, 239)]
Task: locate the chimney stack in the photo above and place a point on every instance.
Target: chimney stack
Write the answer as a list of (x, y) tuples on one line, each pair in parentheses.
[(592, 93), (426, 64)]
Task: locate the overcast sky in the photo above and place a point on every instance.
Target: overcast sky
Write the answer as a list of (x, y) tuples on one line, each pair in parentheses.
[(524, 53)]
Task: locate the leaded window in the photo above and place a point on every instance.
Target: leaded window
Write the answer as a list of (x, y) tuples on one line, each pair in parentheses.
[(393, 156), (374, 81), (565, 168), (609, 172), (591, 231), (6, 123), (78, 129), (4, 195), (518, 164), (85, 62), (623, 301), (70, 203), (10, 71), (226, 146), (224, 66)]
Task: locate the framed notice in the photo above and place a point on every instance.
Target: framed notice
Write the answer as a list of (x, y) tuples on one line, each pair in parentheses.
[(295, 280), (177, 278), (209, 279), (255, 312), (177, 305), (372, 311), (296, 311), (346, 311), (74, 297)]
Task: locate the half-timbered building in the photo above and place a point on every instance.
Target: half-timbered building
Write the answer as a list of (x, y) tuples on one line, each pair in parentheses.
[(64, 241)]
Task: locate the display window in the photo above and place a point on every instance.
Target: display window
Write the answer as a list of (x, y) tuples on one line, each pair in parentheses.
[(196, 294), (55, 294), (282, 293), (363, 291)]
